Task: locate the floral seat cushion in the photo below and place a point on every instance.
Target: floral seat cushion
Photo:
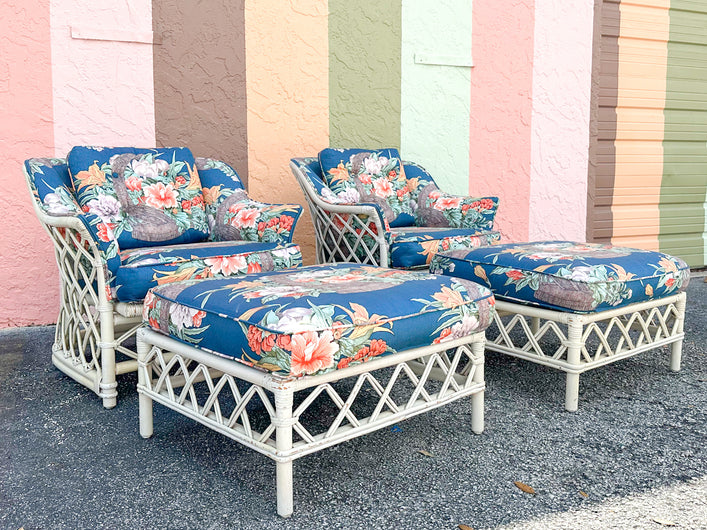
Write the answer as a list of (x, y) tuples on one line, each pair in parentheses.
[(144, 268), (577, 277), (412, 246), (369, 176), (141, 197), (318, 318)]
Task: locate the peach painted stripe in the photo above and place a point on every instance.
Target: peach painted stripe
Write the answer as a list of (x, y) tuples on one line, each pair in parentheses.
[(500, 110), (562, 78), (287, 65), (29, 282), (643, 54)]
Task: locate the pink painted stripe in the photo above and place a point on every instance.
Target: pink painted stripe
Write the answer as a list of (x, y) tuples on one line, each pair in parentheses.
[(29, 282), (501, 107), (562, 77)]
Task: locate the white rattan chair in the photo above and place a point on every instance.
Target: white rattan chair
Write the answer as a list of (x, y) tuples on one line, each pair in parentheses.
[(94, 325), (359, 233)]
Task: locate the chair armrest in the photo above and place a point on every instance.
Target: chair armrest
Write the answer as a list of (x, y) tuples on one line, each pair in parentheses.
[(437, 208), (239, 217), (82, 242), (320, 195)]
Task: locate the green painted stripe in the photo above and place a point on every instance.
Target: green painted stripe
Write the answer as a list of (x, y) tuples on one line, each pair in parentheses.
[(364, 73), (683, 198)]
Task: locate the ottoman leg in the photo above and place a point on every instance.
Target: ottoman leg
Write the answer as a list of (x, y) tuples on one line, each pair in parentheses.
[(676, 348), (574, 353), (477, 399), (535, 325), (283, 441), (144, 376)]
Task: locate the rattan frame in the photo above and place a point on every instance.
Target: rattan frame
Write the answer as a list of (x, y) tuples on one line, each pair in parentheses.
[(168, 370), (620, 332), (90, 328), (334, 222)]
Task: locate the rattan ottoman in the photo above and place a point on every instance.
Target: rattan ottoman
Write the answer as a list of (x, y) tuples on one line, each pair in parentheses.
[(254, 357), (577, 306)]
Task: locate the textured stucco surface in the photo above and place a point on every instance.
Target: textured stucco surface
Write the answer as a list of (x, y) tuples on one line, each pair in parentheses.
[(602, 122), (102, 88), (29, 291), (501, 105), (683, 193), (200, 78), (562, 70), (434, 118), (287, 57), (364, 73)]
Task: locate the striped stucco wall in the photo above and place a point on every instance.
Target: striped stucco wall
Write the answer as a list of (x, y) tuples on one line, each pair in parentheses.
[(648, 180), (287, 62), (364, 73), (258, 82), (26, 127), (501, 110), (200, 78)]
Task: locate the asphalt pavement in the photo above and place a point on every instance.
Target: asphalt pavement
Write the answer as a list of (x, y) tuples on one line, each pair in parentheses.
[(633, 456)]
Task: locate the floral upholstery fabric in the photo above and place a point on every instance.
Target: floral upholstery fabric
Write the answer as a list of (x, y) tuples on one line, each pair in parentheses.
[(359, 175), (433, 207), (312, 170), (233, 216), (240, 218), (51, 186), (218, 181), (436, 208), (568, 276), (130, 272), (142, 269), (319, 318), (412, 247), (143, 197)]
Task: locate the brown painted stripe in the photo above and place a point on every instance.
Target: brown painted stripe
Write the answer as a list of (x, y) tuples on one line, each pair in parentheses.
[(200, 78), (603, 123), (639, 134)]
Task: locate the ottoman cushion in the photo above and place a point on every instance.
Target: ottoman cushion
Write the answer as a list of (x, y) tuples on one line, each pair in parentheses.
[(319, 318), (579, 277)]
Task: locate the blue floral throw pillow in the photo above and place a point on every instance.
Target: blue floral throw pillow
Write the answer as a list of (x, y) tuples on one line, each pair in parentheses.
[(369, 176), (141, 197)]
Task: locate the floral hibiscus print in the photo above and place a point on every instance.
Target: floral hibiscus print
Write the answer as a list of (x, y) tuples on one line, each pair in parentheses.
[(565, 275), (140, 198), (321, 318), (377, 177)]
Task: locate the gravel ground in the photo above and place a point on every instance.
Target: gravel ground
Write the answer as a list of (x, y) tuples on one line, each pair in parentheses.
[(634, 452)]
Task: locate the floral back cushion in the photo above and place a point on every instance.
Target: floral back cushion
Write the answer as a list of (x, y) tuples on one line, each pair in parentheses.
[(145, 197), (365, 176)]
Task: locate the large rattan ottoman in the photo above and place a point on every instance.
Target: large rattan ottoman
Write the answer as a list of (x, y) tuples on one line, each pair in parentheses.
[(255, 357), (577, 306)]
